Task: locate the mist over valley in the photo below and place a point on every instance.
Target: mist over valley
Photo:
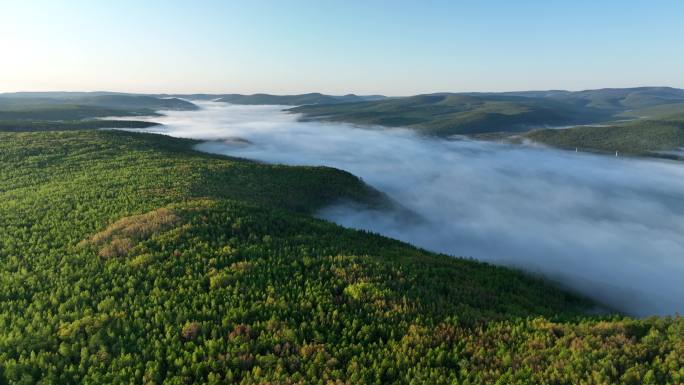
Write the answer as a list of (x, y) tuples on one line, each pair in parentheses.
[(609, 228), (342, 192)]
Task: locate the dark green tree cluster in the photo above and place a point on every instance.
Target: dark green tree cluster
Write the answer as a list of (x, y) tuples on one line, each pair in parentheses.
[(90, 124), (641, 137), (130, 258)]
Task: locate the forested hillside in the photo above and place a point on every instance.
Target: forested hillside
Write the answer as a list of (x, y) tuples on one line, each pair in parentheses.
[(131, 258), (445, 114), (118, 101), (59, 111), (293, 100), (456, 114), (640, 137), (64, 125)]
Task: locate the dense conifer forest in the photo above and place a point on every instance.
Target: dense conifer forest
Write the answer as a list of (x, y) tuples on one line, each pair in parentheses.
[(131, 258), (641, 137)]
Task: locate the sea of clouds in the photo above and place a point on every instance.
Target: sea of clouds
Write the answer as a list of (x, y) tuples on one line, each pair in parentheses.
[(610, 228)]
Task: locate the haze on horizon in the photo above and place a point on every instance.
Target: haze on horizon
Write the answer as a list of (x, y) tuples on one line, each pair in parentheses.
[(338, 47)]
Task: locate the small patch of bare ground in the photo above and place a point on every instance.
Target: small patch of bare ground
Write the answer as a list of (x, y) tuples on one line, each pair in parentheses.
[(119, 238)]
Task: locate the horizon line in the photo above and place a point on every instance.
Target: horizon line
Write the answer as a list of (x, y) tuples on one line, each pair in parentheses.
[(3, 92)]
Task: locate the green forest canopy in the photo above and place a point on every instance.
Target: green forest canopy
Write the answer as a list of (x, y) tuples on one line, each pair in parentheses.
[(131, 258), (640, 137)]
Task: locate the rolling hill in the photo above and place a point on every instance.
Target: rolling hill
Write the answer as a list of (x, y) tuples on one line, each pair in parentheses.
[(90, 103), (294, 100), (610, 98), (66, 125), (455, 114), (54, 111), (641, 137), (446, 114), (132, 258), (65, 112)]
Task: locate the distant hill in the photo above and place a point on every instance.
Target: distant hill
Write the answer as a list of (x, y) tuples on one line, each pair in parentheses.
[(450, 114), (295, 100), (64, 112), (661, 137), (655, 112), (138, 101), (191, 97), (34, 100), (37, 111), (56, 94), (25, 125), (60, 111), (629, 98), (445, 114), (608, 98)]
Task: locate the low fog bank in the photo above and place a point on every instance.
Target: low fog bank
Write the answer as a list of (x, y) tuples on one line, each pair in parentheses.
[(612, 229)]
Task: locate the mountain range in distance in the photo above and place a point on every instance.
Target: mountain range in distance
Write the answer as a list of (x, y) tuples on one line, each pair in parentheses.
[(445, 114), (653, 117), (639, 121)]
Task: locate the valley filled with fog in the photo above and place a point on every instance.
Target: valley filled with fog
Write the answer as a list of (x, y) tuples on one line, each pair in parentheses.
[(610, 228)]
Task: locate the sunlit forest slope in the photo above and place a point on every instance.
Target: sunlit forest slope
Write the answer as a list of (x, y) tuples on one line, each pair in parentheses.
[(131, 258)]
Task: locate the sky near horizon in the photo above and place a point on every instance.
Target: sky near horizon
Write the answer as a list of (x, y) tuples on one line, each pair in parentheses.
[(338, 47)]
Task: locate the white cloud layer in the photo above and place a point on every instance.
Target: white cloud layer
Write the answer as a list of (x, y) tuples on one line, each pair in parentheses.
[(612, 229)]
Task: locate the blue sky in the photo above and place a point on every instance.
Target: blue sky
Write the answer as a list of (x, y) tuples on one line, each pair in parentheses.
[(389, 47)]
